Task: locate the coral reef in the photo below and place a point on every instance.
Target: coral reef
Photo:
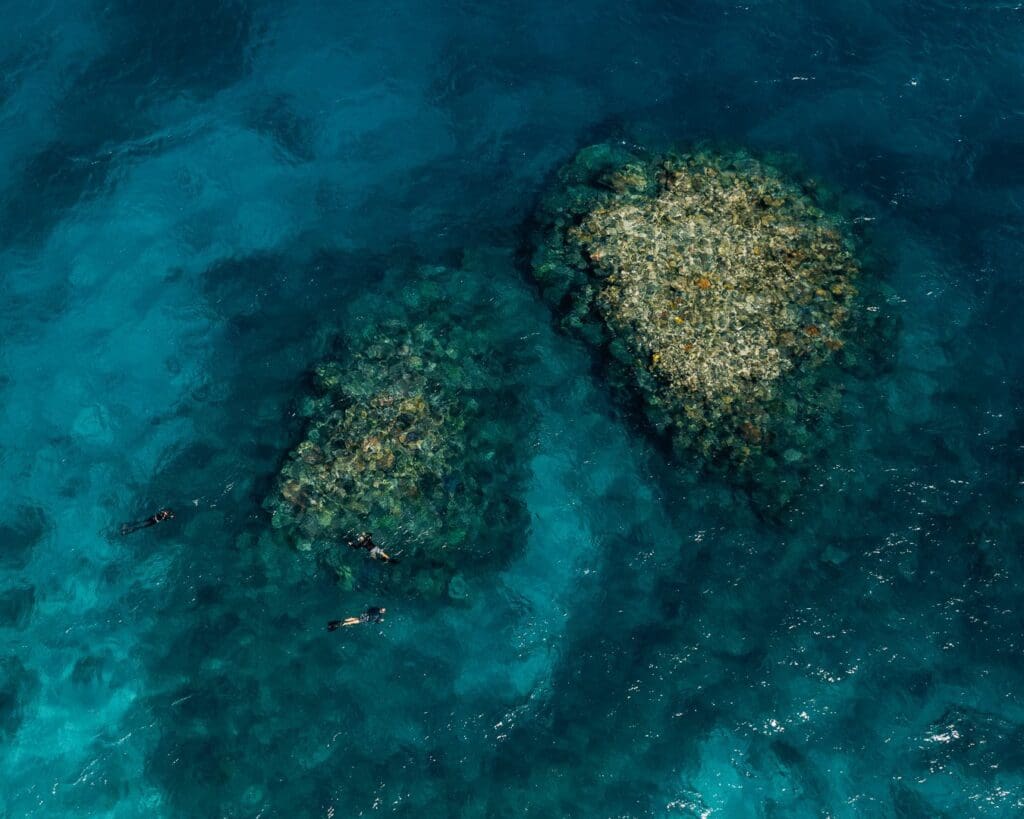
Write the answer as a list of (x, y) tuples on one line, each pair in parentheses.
[(718, 287), (415, 433)]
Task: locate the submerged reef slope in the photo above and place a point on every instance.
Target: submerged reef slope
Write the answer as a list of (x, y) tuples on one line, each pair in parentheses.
[(416, 432), (718, 287)]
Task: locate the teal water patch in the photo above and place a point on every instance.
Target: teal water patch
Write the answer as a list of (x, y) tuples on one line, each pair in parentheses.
[(194, 200)]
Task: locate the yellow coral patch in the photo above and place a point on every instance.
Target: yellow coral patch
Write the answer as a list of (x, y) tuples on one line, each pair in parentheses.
[(726, 273)]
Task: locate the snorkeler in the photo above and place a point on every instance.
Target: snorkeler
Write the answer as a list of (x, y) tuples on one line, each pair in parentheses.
[(153, 520), (378, 553), (374, 614), (364, 540)]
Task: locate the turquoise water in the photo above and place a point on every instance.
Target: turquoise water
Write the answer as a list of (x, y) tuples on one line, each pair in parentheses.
[(195, 196)]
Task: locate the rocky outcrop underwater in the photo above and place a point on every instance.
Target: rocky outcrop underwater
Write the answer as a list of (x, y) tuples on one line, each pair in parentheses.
[(724, 294), (417, 432)]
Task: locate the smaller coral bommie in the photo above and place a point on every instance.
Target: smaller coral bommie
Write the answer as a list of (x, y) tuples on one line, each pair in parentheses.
[(413, 434)]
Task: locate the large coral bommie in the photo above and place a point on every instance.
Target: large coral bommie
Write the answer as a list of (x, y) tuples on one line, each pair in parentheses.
[(719, 288)]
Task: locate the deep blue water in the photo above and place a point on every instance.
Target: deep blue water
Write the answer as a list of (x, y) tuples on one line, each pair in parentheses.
[(194, 195)]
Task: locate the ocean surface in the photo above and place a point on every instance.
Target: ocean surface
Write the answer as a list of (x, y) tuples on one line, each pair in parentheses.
[(194, 196)]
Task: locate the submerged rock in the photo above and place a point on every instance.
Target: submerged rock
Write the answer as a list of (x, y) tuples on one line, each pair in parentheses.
[(718, 287), (416, 433)]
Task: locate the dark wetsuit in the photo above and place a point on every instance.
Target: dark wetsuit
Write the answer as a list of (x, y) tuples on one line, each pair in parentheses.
[(153, 520), (363, 541)]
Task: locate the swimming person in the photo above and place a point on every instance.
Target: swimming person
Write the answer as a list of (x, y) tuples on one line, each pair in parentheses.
[(364, 540), (374, 614), (378, 553), (153, 520)]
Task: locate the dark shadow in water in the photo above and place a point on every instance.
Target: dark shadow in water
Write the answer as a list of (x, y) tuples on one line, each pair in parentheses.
[(292, 132), (21, 529), (16, 606), (155, 50), (18, 686)]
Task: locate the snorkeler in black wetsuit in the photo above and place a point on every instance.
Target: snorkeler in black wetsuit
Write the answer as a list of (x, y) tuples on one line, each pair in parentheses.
[(152, 520), (374, 614), (364, 540)]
